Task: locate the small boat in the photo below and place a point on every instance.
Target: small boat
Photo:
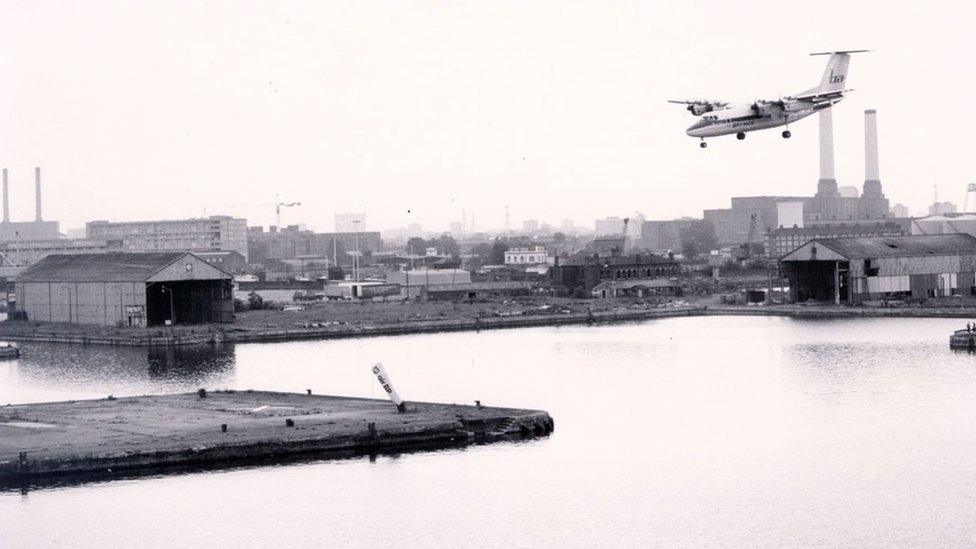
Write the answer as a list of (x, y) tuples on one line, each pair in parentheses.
[(8, 350), (963, 339)]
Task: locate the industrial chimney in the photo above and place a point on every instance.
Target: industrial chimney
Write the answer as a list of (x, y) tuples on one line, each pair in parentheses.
[(873, 203), (37, 192), (872, 178), (827, 185), (6, 198)]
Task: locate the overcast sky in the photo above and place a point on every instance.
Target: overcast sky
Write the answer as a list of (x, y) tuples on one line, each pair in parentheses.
[(413, 111)]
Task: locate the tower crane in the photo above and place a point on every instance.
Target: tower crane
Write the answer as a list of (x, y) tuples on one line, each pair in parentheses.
[(279, 205)]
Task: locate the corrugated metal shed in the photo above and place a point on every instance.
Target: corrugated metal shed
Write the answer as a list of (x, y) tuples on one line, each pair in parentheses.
[(479, 286), (109, 267), (898, 246)]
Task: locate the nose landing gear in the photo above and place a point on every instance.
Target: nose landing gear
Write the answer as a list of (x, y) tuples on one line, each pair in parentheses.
[(703, 144), (740, 136)]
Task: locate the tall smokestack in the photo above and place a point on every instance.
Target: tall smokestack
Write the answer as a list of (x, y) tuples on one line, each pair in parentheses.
[(827, 186), (6, 198), (37, 192), (872, 177)]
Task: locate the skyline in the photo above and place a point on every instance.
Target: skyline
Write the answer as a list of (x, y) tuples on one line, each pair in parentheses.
[(557, 113)]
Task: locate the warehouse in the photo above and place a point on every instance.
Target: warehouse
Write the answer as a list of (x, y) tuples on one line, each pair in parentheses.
[(473, 291), (854, 270), (125, 289)]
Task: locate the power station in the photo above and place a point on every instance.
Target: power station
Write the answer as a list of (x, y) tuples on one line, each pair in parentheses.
[(752, 215), (26, 230)]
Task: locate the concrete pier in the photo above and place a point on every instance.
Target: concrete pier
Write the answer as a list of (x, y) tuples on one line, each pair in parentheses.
[(149, 432)]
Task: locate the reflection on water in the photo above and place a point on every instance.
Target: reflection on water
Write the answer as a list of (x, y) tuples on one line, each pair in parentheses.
[(48, 371), (677, 432)]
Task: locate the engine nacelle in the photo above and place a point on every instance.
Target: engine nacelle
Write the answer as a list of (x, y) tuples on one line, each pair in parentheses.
[(699, 109)]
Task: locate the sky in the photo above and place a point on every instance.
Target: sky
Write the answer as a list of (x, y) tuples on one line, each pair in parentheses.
[(416, 111)]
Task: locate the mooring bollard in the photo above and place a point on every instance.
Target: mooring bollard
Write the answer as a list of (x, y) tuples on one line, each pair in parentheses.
[(477, 403), (289, 422), (309, 392), (202, 392), (223, 427)]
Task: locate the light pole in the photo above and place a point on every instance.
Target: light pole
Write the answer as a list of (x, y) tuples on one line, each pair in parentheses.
[(355, 260), (172, 310)]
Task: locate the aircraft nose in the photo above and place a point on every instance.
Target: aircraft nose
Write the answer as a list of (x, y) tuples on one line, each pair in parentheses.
[(695, 129)]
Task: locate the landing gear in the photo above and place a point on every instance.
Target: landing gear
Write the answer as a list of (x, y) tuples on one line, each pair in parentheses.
[(786, 134), (740, 136), (703, 144)]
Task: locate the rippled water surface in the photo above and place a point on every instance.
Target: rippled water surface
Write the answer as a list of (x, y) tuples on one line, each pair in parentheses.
[(717, 431)]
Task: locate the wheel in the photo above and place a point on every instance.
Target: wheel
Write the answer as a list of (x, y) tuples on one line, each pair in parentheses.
[(787, 134), (703, 144), (740, 136)]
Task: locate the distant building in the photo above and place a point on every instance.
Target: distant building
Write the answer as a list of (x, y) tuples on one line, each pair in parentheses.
[(534, 255), (637, 288), (945, 224), (470, 291), (530, 226), (942, 208), (608, 226), (780, 242), (899, 210), (292, 242), (28, 252), (854, 270), (207, 234), (583, 272), (606, 246), (663, 236), (230, 261), (755, 214), (125, 289), (411, 282), (350, 222)]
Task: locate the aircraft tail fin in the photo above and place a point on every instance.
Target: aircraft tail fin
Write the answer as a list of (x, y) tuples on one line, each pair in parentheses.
[(834, 78)]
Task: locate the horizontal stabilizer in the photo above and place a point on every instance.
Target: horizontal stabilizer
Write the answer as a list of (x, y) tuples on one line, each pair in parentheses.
[(839, 51)]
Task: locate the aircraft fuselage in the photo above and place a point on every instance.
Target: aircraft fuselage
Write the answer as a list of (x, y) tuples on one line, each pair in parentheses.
[(741, 120)]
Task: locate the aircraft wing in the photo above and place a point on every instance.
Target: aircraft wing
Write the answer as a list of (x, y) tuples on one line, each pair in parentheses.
[(700, 106)]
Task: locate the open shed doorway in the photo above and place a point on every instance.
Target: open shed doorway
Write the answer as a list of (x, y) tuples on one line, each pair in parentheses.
[(187, 302)]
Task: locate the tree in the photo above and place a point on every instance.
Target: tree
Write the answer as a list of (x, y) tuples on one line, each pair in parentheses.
[(446, 245), (416, 245), (336, 273), (698, 238), (498, 250)]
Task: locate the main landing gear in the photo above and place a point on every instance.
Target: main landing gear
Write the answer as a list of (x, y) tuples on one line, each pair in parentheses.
[(703, 144), (786, 134), (740, 136)]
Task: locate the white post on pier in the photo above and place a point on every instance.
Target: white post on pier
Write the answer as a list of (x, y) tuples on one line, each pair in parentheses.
[(384, 379)]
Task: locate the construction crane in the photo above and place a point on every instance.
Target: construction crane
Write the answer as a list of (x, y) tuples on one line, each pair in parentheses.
[(279, 205), (748, 247)]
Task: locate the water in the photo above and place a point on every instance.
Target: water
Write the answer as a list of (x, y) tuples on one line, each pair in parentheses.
[(716, 431)]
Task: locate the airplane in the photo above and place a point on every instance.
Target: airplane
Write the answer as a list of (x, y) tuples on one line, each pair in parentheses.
[(724, 118)]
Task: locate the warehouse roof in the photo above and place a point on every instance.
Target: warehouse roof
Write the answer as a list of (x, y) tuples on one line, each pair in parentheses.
[(107, 267), (895, 246), (583, 258), (480, 286)]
